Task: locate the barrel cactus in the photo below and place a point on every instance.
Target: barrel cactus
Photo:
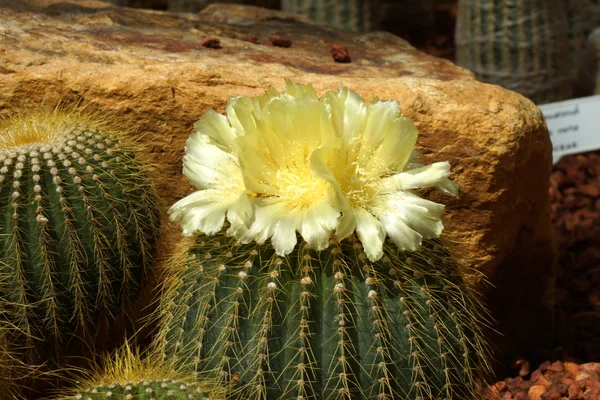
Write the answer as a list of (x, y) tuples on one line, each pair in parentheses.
[(329, 308), (128, 375), (354, 15), (519, 45), (78, 230)]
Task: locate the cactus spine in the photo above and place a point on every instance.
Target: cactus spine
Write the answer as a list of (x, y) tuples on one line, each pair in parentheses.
[(354, 15), (326, 324), (520, 45), (10, 369), (78, 226)]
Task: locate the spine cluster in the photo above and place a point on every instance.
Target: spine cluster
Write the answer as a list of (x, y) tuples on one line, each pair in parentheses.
[(325, 324)]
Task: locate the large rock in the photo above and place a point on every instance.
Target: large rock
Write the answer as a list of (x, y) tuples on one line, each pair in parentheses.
[(150, 73)]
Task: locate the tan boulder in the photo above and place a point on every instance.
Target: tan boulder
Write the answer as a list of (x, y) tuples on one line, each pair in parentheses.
[(151, 73)]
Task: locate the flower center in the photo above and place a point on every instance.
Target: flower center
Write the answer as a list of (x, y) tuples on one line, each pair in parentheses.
[(359, 188), (298, 187)]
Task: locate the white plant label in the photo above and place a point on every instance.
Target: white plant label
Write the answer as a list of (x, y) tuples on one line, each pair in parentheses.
[(574, 125)]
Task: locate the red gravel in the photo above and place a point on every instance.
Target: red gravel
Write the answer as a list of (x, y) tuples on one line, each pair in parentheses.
[(551, 381), (575, 196), (575, 211)]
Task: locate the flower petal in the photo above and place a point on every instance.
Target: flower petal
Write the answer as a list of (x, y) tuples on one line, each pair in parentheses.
[(444, 184), (404, 209), (299, 90), (199, 212), (245, 113), (395, 149), (418, 178), (371, 234), (266, 216), (348, 110), (206, 163), (217, 128), (317, 224), (240, 215), (421, 215), (346, 225), (319, 167), (376, 127), (403, 236), (284, 235)]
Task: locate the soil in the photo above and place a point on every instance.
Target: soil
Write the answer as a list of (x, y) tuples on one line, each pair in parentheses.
[(570, 370)]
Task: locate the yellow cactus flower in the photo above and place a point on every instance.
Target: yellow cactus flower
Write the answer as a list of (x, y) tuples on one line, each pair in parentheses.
[(291, 162)]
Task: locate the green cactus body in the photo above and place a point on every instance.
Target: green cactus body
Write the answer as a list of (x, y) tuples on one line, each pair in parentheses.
[(126, 374), (143, 390), (520, 45), (78, 226), (320, 325), (354, 15)]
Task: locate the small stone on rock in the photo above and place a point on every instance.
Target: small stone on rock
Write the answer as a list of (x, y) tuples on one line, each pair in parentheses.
[(280, 41), (340, 53), (211, 43)]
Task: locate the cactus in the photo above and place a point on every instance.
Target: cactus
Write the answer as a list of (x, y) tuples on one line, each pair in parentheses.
[(354, 15), (520, 45), (8, 387), (326, 324), (329, 308), (580, 27), (128, 375), (143, 390), (78, 227)]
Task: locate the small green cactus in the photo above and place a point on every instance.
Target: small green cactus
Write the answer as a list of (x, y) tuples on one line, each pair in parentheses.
[(128, 375), (78, 227), (327, 324), (143, 390)]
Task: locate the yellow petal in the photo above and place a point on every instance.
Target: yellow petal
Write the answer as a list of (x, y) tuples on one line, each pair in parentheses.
[(317, 224), (401, 234), (284, 235), (205, 163), (240, 215), (266, 216), (395, 148), (378, 118), (418, 178), (346, 225), (371, 234), (407, 218), (199, 212), (217, 128)]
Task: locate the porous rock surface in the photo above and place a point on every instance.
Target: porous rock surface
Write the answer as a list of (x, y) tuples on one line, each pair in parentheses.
[(151, 74)]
